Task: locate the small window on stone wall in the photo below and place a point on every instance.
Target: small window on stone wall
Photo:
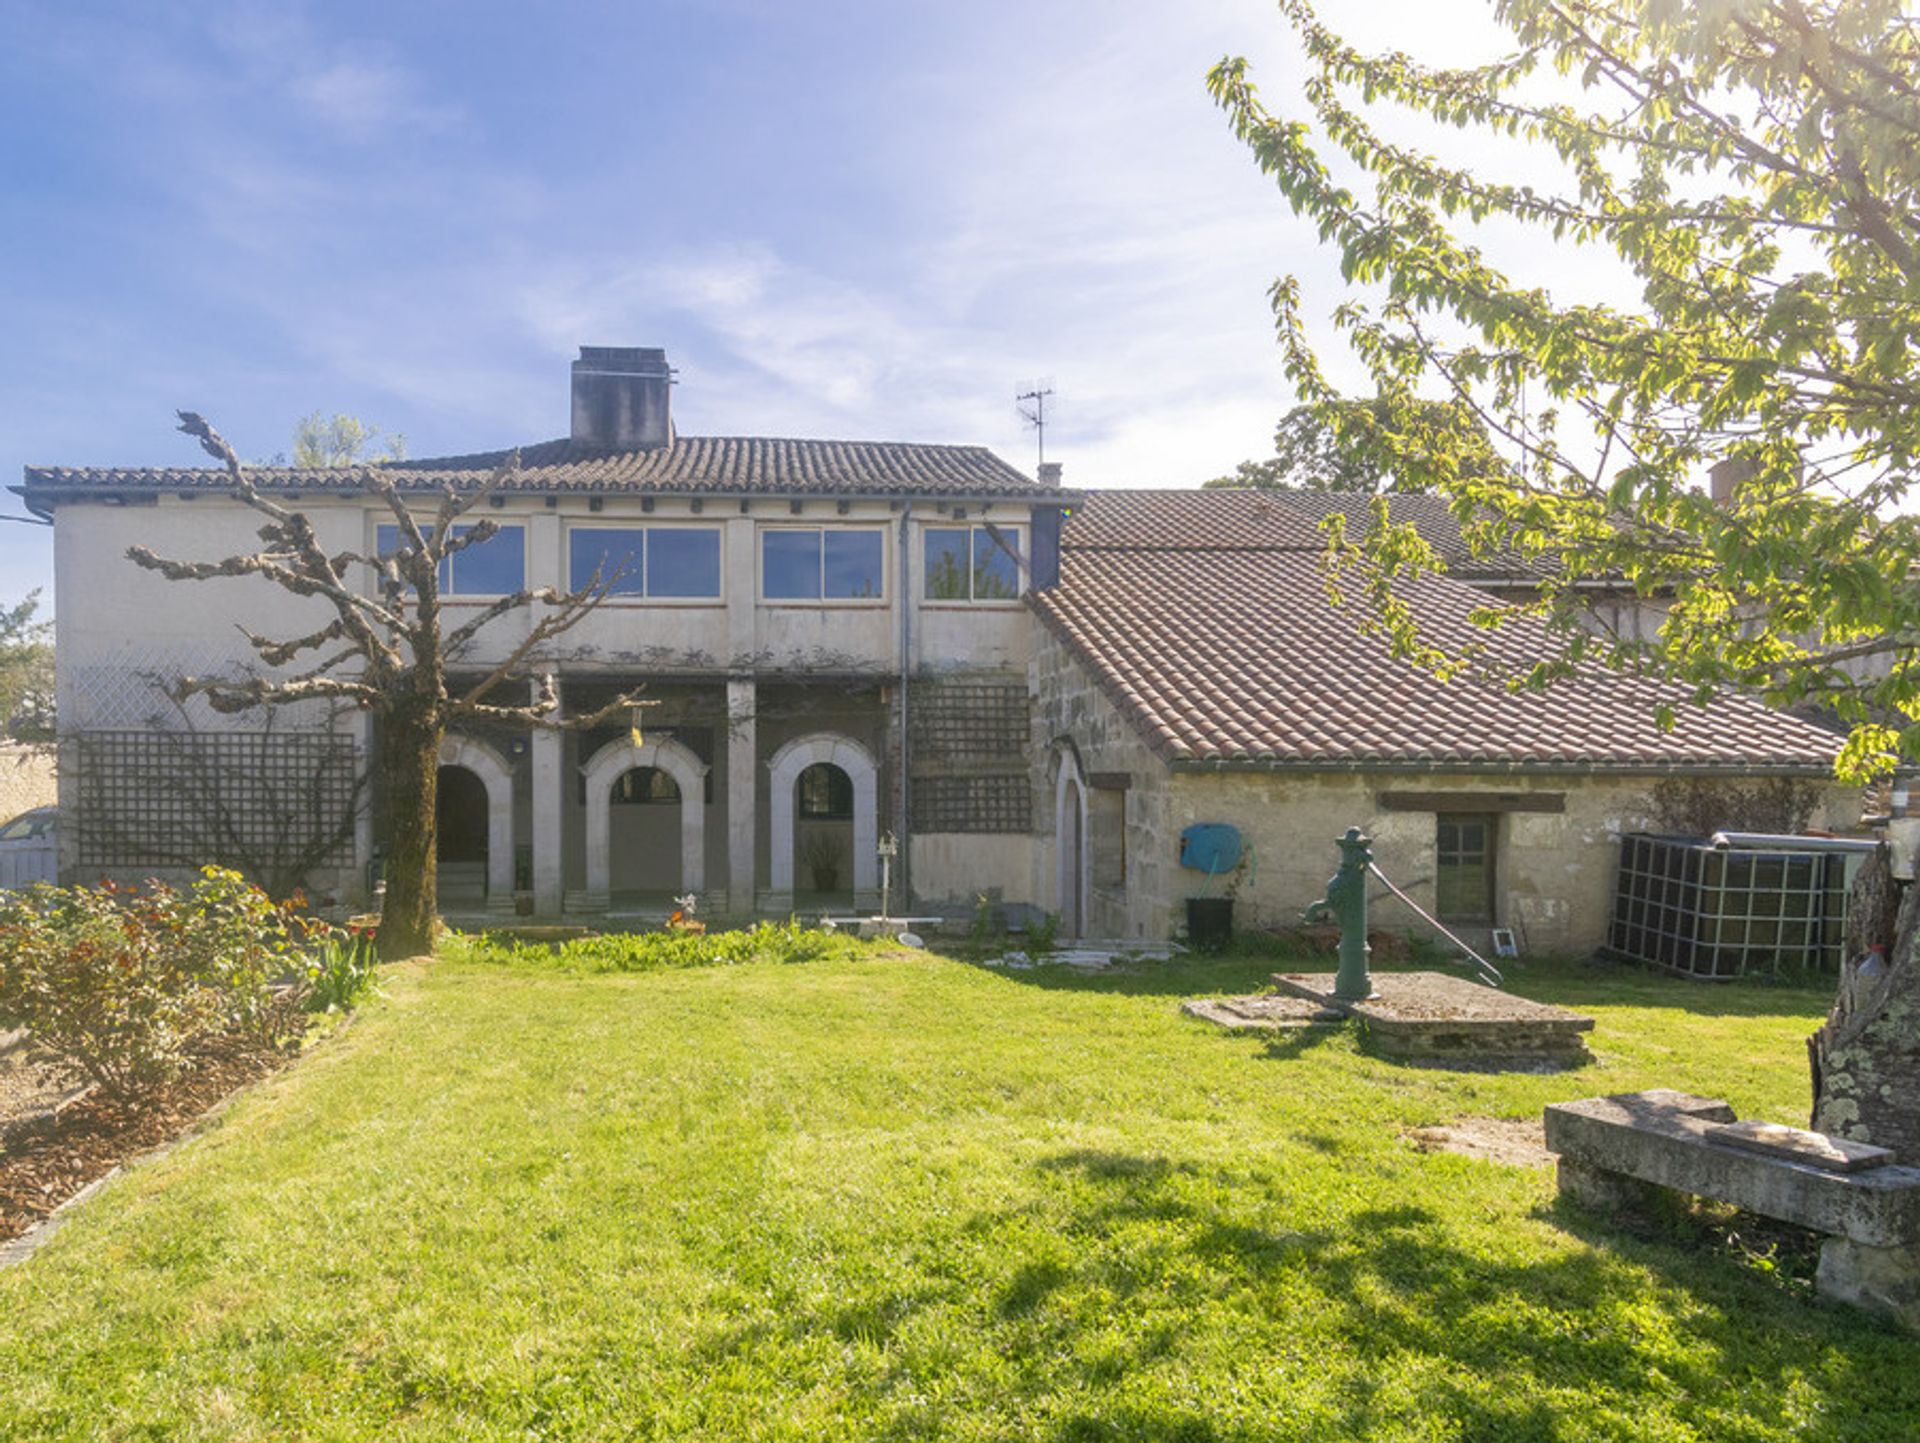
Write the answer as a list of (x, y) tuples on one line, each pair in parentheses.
[(1107, 831), (826, 793), (1464, 883)]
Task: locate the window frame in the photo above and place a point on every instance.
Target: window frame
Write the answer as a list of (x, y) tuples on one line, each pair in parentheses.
[(614, 799), (881, 529), (448, 564), (1018, 531), (645, 597), (1489, 822), (839, 795)]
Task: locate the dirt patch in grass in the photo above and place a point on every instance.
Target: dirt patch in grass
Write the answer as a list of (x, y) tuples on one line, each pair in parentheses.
[(1516, 1141), (49, 1162)]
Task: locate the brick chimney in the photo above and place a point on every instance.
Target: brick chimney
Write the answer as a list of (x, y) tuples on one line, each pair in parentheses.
[(621, 397), (1049, 473)]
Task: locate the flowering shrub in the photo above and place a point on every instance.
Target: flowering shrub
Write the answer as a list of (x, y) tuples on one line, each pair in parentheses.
[(119, 985)]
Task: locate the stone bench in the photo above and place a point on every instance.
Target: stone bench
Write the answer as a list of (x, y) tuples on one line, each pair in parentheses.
[(1623, 1151)]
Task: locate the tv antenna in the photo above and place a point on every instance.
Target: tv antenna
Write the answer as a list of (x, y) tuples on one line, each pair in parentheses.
[(1032, 403)]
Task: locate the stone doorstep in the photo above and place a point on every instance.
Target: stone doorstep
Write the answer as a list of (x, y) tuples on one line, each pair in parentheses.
[(1668, 1140)]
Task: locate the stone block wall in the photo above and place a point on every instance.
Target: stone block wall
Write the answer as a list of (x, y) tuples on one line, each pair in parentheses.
[(1553, 871), (1074, 724)]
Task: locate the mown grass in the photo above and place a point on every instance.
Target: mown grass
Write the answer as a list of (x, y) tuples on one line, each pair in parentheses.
[(895, 1196)]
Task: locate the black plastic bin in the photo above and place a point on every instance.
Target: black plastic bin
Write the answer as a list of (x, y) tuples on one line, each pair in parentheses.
[(1209, 923)]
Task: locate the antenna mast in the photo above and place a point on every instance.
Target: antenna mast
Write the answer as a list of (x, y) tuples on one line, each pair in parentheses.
[(1035, 415)]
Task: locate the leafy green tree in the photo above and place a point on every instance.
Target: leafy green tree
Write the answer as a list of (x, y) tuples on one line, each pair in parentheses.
[(1754, 167), (26, 671), (1339, 447), (342, 440)]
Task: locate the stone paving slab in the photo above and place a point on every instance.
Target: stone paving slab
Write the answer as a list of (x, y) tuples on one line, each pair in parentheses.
[(1266, 1012), (1834, 1154), (1430, 1016)]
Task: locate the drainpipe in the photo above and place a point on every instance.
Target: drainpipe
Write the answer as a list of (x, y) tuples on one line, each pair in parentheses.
[(906, 667)]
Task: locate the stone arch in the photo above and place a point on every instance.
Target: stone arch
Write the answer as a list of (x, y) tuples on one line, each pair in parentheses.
[(689, 773), (484, 762), (1070, 840), (784, 769)]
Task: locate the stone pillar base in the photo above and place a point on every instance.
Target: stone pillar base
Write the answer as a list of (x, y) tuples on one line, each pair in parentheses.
[(1600, 1191), (1881, 1280)]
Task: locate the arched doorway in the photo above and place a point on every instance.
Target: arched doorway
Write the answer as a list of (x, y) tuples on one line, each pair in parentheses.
[(611, 767), (823, 836), (487, 846), (1070, 844), (643, 837), (461, 823), (862, 827)]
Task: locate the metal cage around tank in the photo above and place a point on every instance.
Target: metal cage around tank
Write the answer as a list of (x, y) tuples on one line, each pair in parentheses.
[(1717, 912)]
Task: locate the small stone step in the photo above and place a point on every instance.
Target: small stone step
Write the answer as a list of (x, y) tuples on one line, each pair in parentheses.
[(1796, 1144)]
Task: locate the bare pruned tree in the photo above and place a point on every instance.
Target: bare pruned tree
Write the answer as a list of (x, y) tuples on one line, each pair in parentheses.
[(385, 652)]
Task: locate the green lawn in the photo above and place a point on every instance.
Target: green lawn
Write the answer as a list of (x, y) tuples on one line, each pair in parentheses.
[(902, 1197)]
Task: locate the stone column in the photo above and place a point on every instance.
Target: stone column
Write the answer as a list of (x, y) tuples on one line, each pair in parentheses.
[(743, 812), (359, 728), (546, 566), (549, 783)]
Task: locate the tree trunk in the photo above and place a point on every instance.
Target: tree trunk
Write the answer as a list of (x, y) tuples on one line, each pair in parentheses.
[(409, 770), (1866, 1058)]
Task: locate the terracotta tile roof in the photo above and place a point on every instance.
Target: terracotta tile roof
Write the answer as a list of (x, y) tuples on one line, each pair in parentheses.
[(1266, 520), (1231, 653), (704, 465)]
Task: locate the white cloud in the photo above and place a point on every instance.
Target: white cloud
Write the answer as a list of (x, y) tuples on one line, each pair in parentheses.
[(367, 100), (346, 86)]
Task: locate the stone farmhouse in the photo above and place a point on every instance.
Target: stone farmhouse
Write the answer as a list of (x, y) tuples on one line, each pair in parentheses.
[(1033, 690)]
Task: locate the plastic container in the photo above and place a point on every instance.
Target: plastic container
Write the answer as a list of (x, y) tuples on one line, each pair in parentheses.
[(1209, 923)]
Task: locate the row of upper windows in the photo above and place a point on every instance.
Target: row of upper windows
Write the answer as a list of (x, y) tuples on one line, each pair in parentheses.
[(960, 563)]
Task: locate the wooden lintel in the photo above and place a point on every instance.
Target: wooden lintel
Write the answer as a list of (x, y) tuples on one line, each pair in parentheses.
[(1109, 781), (1472, 801)]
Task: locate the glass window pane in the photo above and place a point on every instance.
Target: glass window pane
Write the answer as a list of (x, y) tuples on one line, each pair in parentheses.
[(826, 793), (386, 540), (615, 551), (853, 562), (646, 786), (1463, 884), (996, 574), (494, 567), (683, 561), (790, 565), (947, 565)]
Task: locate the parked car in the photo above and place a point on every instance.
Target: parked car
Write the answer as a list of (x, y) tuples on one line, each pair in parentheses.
[(28, 853)]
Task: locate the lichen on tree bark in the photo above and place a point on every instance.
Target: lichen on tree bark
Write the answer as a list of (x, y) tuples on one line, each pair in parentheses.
[(1866, 1057)]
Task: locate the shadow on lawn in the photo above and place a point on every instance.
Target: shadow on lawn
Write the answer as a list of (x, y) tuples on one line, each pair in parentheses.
[(1133, 1289), (1565, 983), (1391, 1283), (1622, 984), (1177, 977)]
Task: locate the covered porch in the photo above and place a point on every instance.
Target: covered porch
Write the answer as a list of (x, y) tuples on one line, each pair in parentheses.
[(758, 798)]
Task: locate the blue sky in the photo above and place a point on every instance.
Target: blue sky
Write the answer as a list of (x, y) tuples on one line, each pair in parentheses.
[(841, 219)]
